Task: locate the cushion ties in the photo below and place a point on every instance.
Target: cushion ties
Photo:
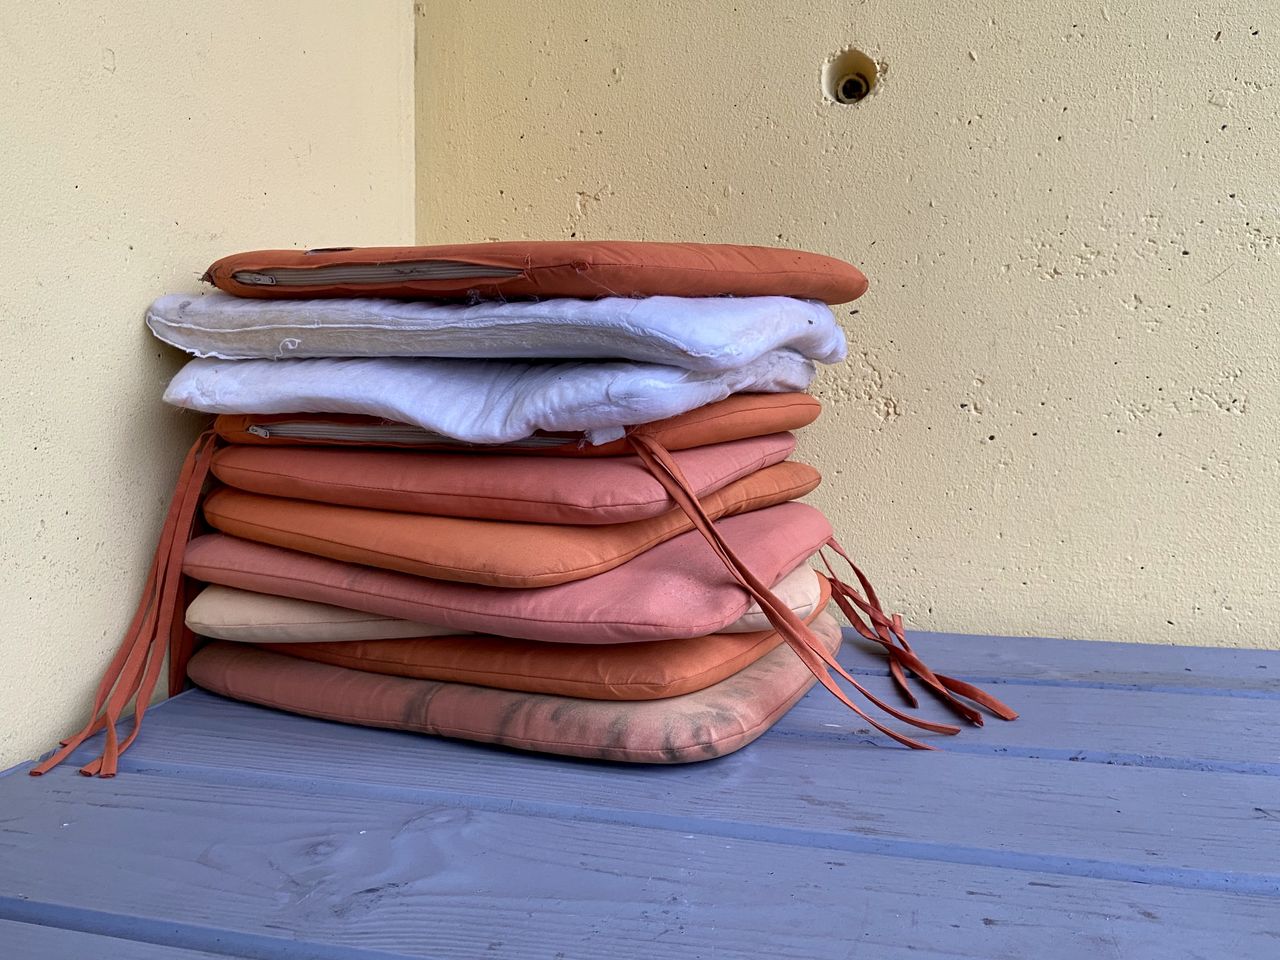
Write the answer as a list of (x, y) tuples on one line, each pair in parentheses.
[(134, 670), (811, 652), (870, 621)]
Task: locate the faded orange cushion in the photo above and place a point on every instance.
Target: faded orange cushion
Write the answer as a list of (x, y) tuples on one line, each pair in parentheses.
[(620, 671), (724, 717), (677, 589), (595, 490), (733, 418), (539, 268), (493, 552)]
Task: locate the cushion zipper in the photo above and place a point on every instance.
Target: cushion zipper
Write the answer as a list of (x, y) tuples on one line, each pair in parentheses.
[(372, 273), (386, 433)]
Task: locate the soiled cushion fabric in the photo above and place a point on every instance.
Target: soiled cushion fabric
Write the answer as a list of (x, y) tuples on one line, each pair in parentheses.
[(677, 589), (619, 671), (230, 614), (479, 401), (696, 333), (734, 418), (241, 615), (598, 490), (542, 269), (697, 726), (494, 552)]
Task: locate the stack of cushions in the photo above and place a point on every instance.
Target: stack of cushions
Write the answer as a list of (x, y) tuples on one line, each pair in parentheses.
[(563, 524)]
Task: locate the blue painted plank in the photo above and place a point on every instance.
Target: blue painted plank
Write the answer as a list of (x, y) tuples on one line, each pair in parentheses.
[(1150, 666), (1189, 730), (1174, 827), (271, 873), (29, 941)]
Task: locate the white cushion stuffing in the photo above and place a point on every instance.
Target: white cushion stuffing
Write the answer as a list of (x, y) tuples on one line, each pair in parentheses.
[(479, 401), (697, 333)]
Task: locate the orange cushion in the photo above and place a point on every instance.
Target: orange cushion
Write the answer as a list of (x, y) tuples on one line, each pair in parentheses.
[(493, 552), (677, 589), (620, 671), (733, 418), (590, 490), (539, 268), (724, 717)]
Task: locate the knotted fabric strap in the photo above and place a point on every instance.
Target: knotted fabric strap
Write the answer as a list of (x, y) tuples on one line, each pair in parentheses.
[(134, 670), (864, 612), (889, 633)]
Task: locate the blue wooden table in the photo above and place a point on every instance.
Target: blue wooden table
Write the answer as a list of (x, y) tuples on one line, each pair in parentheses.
[(1133, 812)]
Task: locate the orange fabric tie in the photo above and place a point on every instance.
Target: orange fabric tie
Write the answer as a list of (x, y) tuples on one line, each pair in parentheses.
[(132, 674), (865, 614)]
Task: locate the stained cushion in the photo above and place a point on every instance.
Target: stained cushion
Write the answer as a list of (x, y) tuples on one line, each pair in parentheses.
[(621, 671), (539, 268), (598, 490), (494, 552), (734, 418), (677, 589), (697, 333), (241, 615), (479, 401), (710, 723)]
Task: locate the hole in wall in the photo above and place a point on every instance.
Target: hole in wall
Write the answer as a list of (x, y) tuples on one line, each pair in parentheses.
[(849, 76)]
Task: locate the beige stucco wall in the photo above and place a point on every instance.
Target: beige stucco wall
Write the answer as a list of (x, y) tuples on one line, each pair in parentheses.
[(1055, 420), (138, 141), (1061, 412)]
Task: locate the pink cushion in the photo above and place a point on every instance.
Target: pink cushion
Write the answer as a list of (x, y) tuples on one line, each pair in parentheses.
[(696, 726), (677, 589), (490, 486), (225, 613)]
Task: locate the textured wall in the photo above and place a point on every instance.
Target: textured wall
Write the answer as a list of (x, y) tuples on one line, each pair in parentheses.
[(140, 141), (1061, 414)]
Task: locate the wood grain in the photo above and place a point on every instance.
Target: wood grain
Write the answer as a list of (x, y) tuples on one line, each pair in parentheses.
[(1075, 818), (22, 940), (436, 880)]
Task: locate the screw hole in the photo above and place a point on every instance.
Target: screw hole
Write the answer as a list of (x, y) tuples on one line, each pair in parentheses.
[(852, 89), (849, 76)]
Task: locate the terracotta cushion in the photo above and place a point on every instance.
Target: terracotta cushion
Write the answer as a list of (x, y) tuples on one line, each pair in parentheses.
[(621, 671), (601, 490), (677, 589), (241, 615), (494, 552), (734, 418), (539, 268), (696, 726)]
